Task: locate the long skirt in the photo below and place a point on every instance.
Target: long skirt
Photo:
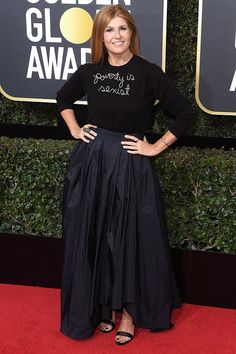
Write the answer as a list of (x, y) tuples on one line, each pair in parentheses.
[(116, 252)]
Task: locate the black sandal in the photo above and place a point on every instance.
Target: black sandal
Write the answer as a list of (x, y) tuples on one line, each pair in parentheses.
[(109, 322), (124, 334)]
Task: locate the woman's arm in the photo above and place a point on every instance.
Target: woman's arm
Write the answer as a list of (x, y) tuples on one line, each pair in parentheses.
[(71, 91), (174, 104)]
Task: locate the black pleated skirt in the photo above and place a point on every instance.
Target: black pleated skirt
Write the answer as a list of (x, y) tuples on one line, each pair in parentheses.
[(116, 252)]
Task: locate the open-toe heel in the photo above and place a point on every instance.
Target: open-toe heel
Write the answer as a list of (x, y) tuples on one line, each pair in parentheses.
[(110, 323), (124, 334)]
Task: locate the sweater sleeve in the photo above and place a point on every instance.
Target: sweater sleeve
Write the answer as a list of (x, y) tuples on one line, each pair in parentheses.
[(172, 102), (71, 91)]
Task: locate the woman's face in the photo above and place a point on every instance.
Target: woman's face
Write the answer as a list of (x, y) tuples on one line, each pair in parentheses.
[(117, 36)]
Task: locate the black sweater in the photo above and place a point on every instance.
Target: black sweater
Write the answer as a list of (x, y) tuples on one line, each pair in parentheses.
[(121, 98)]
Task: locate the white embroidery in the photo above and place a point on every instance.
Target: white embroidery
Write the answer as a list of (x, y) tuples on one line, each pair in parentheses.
[(130, 77), (123, 88), (117, 91)]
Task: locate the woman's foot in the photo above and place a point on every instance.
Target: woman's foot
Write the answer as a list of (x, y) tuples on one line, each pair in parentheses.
[(126, 330), (107, 326)]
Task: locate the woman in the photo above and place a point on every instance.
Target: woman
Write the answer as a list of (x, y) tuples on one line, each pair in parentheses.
[(116, 255)]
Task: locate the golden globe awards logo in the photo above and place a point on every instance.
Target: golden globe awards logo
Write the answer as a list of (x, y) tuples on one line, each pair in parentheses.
[(56, 61), (45, 41)]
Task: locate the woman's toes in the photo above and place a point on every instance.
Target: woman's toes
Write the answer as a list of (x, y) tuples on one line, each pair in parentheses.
[(122, 339), (105, 327)]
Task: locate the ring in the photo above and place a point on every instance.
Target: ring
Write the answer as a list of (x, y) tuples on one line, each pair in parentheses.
[(86, 130)]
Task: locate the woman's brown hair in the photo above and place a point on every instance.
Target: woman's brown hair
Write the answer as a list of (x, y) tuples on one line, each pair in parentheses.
[(103, 17)]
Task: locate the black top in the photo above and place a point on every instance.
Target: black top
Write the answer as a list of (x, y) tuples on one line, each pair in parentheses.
[(121, 98)]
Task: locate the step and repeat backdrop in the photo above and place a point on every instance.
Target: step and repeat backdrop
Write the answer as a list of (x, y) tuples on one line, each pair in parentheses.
[(216, 57), (45, 41)]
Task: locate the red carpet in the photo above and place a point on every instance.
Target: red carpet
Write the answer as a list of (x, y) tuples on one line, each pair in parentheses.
[(29, 322)]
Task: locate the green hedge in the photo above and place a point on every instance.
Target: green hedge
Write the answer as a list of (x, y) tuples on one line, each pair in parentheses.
[(181, 59), (12, 112), (198, 187)]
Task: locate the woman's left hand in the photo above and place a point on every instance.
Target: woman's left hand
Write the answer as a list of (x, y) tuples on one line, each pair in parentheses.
[(137, 146)]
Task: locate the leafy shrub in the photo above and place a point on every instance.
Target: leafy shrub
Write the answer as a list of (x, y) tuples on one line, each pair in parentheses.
[(31, 184), (12, 112), (198, 187)]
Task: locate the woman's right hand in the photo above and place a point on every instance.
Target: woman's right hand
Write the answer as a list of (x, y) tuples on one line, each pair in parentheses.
[(85, 133)]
